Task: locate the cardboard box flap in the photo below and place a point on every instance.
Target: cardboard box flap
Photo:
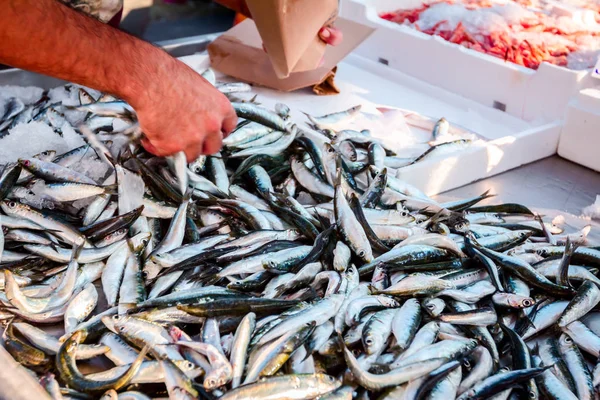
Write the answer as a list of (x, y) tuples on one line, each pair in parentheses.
[(239, 53), (289, 31)]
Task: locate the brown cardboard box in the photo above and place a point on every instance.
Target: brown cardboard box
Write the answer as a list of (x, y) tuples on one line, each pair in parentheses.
[(289, 29), (239, 53)]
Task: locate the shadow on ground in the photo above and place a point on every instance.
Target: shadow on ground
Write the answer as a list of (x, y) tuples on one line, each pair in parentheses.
[(172, 21)]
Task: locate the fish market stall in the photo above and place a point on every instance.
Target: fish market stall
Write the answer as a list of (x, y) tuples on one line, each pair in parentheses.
[(307, 260)]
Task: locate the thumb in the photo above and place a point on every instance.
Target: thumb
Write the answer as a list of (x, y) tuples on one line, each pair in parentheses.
[(149, 146)]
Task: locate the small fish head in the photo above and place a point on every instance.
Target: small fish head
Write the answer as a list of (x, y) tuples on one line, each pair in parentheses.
[(222, 381), (269, 264), (151, 270), (118, 233), (326, 382), (185, 365), (139, 241), (46, 154), (434, 306), (211, 382), (329, 148), (73, 342), (542, 252), (388, 302), (11, 207), (462, 226), (115, 323), (370, 342), (525, 302), (565, 342), (366, 254)]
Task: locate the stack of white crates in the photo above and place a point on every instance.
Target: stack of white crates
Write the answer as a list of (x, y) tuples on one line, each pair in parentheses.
[(551, 94)]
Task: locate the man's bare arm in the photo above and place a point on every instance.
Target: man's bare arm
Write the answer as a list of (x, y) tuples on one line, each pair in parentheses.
[(178, 109)]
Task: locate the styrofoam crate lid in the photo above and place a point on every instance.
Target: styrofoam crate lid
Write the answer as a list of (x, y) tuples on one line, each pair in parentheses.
[(533, 95)]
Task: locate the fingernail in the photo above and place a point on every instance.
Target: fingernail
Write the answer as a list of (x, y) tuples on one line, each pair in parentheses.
[(325, 34)]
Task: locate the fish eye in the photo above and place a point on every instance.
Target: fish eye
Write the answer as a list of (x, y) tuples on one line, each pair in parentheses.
[(532, 395), (116, 317), (211, 382), (369, 341), (527, 303), (431, 306), (197, 170), (330, 378), (330, 149), (568, 339), (362, 253), (190, 365), (467, 364), (404, 213), (144, 274), (12, 204)]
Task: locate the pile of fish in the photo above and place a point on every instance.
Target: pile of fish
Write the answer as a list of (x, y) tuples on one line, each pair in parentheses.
[(292, 265)]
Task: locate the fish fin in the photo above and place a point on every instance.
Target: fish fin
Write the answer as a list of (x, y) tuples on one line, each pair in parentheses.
[(325, 222), (76, 252), (53, 246), (111, 189), (527, 323), (373, 290), (208, 276), (536, 349)]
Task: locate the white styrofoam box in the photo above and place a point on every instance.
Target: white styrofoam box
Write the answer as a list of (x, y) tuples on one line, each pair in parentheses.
[(541, 95), (580, 138), (510, 141)]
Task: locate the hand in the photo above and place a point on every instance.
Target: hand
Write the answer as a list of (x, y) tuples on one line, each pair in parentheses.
[(181, 111), (328, 34), (331, 35)]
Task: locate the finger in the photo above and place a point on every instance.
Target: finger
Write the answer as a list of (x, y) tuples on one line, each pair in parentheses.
[(159, 148), (331, 35), (229, 123), (148, 146), (212, 143)]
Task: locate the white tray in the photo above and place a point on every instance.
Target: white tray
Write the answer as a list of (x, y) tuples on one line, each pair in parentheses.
[(540, 95), (580, 139), (511, 141)]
